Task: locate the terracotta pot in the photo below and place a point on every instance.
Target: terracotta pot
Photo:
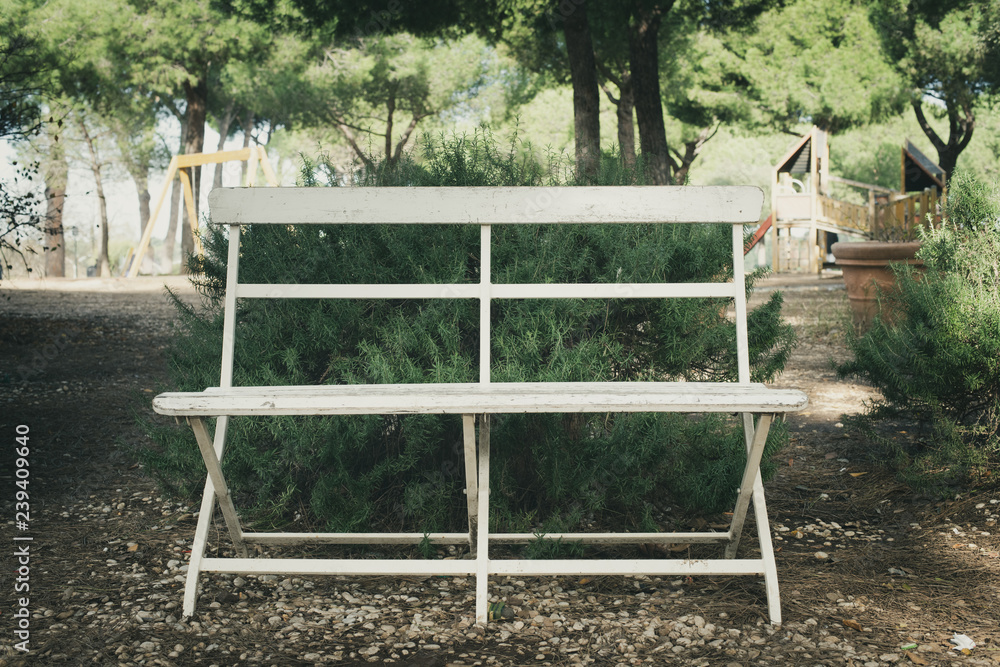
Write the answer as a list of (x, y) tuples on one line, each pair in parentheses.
[(866, 264)]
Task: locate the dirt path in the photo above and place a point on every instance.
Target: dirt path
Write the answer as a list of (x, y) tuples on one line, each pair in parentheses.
[(78, 359)]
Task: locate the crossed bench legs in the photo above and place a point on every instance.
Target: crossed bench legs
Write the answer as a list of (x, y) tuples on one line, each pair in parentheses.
[(477, 470)]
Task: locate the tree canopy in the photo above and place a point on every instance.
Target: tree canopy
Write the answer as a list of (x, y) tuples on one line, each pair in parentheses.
[(948, 53), (818, 61), (372, 77)]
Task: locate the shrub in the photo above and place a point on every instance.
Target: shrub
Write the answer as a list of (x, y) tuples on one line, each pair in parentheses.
[(938, 364), (394, 473)]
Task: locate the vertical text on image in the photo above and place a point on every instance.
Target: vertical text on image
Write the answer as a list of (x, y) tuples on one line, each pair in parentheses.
[(22, 548)]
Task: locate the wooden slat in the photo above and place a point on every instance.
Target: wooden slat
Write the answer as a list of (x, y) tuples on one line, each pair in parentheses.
[(200, 159), (358, 291), (480, 205), (614, 291), (653, 567), (475, 398), (380, 567), (613, 538), (383, 567), (355, 538), (501, 291)]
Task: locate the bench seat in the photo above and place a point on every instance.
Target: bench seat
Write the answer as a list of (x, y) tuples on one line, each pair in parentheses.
[(476, 398)]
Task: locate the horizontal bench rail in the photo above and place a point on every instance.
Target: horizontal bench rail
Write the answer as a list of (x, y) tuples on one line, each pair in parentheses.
[(476, 401), (536, 568), (498, 291), (487, 206), (496, 538), (477, 398)]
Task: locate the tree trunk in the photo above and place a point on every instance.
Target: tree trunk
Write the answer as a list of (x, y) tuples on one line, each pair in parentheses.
[(961, 125), (247, 123), (171, 239), (626, 126), (645, 63), (624, 110), (390, 107), (141, 179), (175, 201), (352, 140), (103, 264), (692, 149), (225, 122), (56, 177), (194, 142), (586, 95)]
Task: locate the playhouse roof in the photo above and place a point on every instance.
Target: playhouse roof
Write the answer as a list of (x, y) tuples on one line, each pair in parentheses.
[(919, 171), (798, 159)]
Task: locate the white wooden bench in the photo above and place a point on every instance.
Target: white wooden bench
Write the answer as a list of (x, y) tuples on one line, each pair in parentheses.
[(758, 404)]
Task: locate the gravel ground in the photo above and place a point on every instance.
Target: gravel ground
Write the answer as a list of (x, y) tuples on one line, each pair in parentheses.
[(871, 573)]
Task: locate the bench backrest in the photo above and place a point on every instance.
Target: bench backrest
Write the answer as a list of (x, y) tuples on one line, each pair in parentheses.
[(485, 206)]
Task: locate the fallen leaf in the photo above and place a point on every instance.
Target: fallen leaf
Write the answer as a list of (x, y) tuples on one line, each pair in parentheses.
[(916, 659), (134, 547), (858, 474), (585, 581), (830, 455), (854, 625)]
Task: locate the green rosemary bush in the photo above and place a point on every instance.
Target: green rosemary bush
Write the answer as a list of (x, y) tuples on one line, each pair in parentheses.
[(407, 473), (937, 363)]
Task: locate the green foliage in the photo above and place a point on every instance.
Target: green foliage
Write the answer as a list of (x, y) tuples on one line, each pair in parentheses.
[(386, 82), (818, 61), (22, 75), (937, 360), (947, 51), (550, 472)]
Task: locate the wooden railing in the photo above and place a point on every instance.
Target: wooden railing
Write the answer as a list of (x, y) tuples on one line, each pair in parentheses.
[(844, 214), (894, 220), (898, 220)]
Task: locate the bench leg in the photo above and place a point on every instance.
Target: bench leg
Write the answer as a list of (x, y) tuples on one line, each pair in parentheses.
[(471, 480), (219, 484), (483, 524), (752, 488), (204, 517), (756, 437), (766, 552)]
